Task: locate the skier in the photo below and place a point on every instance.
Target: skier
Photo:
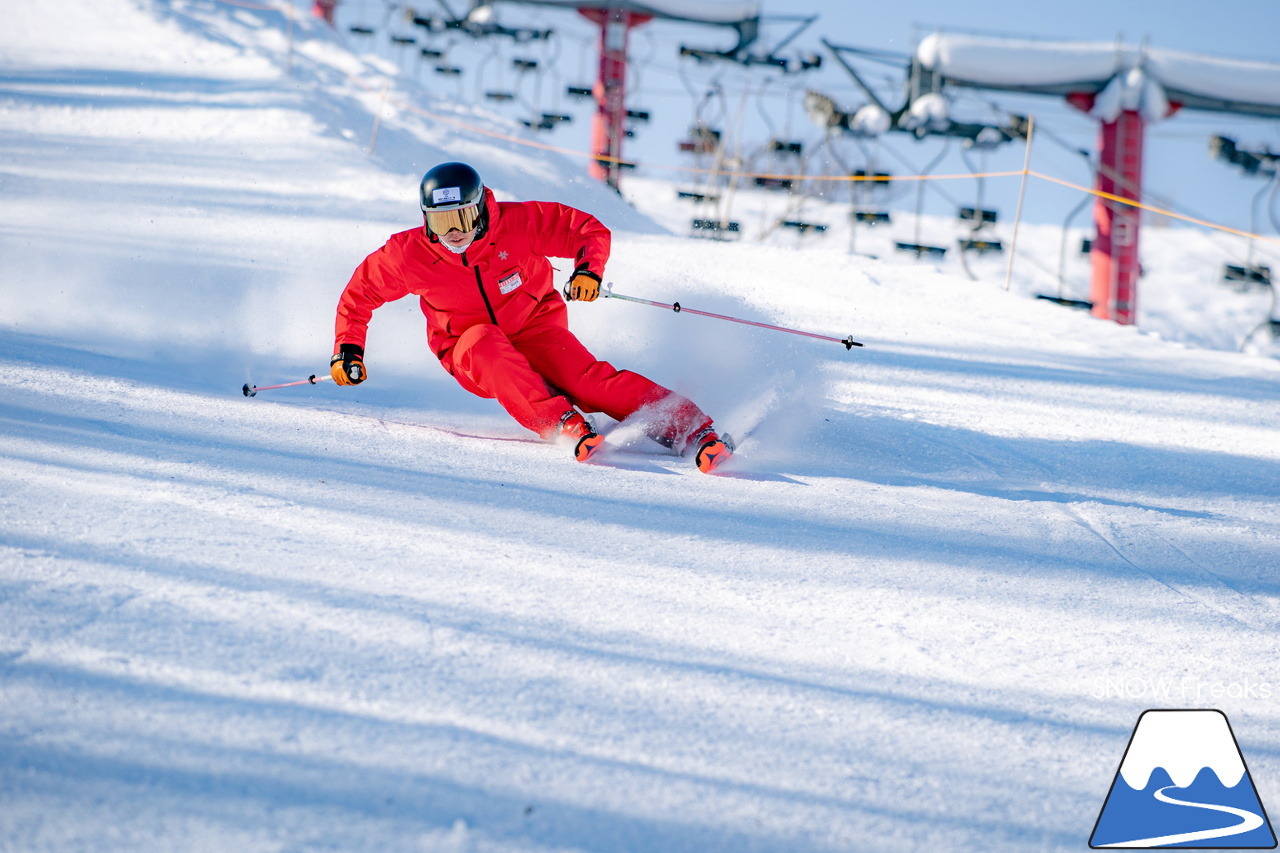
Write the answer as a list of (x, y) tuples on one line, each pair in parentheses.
[(494, 319)]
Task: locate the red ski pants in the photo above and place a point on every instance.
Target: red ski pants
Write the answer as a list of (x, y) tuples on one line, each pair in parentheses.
[(540, 372)]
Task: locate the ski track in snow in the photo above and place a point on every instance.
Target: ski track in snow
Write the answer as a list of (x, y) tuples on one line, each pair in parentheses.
[(387, 618)]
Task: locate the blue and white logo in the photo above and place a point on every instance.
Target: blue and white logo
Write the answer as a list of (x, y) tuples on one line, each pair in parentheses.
[(1183, 783)]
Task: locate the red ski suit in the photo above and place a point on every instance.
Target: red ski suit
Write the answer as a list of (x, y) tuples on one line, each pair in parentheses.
[(499, 326)]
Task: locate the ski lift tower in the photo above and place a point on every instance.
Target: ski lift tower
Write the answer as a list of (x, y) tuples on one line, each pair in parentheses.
[(1126, 88), (616, 19)]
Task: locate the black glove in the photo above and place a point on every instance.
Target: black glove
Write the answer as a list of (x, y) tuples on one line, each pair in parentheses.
[(347, 365)]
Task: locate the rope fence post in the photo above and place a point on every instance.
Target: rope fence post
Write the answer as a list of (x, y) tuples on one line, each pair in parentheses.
[(377, 119), (291, 13), (1022, 191)]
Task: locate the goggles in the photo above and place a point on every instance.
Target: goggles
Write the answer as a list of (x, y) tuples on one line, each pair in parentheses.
[(441, 222)]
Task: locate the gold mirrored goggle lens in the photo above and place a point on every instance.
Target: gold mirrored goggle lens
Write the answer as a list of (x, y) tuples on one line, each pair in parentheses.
[(443, 221)]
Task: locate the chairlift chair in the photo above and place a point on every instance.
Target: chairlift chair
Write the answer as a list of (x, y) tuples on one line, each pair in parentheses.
[(1263, 337), (362, 28), (976, 244), (698, 197), (1078, 304), (768, 183), (978, 219), (449, 70), (779, 146), (878, 179), (550, 120), (916, 247), (431, 53), (715, 228), (977, 216), (524, 64), (500, 96), (872, 217), (543, 123), (920, 249), (638, 115), (802, 226), (403, 40), (1247, 277), (580, 91), (1059, 298)]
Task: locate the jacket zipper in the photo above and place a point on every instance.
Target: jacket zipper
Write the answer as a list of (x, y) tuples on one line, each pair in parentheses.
[(483, 295)]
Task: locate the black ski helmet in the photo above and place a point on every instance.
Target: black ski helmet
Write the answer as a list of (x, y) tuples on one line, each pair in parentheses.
[(452, 187)]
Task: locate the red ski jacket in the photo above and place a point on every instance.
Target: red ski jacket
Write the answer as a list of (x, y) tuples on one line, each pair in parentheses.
[(503, 278)]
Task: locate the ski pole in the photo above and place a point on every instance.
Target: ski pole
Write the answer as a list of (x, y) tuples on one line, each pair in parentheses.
[(849, 342), (310, 380)]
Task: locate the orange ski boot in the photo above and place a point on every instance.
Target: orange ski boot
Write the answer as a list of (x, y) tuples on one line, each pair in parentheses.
[(574, 427), (712, 450)]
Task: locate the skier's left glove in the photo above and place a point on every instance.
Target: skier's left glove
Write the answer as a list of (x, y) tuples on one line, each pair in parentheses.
[(347, 365), (584, 286)]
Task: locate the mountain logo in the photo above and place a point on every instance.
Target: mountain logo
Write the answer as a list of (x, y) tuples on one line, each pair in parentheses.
[(1183, 783)]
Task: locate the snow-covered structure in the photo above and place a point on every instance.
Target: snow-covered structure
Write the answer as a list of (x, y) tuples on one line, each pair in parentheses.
[(1125, 87), (1189, 80)]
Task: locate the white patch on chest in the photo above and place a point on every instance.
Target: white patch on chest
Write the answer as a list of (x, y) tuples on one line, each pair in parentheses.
[(510, 283)]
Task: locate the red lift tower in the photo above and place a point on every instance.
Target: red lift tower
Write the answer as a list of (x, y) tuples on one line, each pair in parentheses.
[(616, 19), (1113, 287), (1124, 87), (608, 127), (1114, 256)]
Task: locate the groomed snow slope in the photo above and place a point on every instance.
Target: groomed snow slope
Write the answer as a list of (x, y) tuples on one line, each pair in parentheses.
[(921, 611)]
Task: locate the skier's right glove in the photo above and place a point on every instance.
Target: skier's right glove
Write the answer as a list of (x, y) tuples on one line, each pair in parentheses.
[(584, 286), (347, 365)]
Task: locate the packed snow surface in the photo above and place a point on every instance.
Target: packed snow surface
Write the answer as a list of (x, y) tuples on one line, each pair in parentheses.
[(921, 609)]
